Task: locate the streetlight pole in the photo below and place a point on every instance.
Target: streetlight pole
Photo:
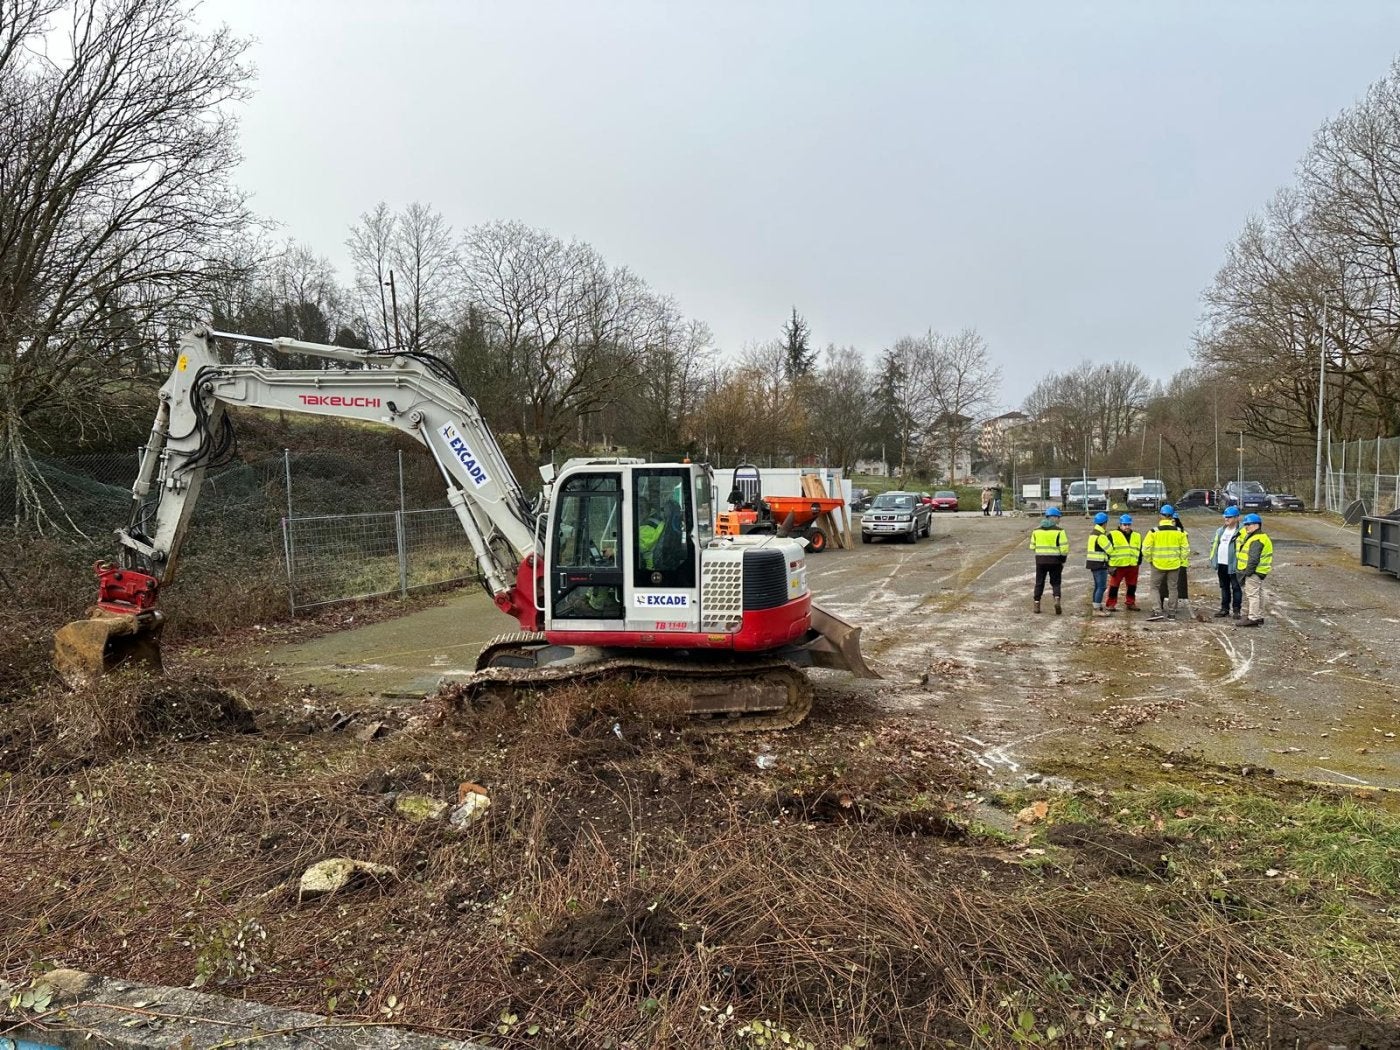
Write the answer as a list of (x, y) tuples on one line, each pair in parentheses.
[(1240, 479), (1321, 383), (1215, 412)]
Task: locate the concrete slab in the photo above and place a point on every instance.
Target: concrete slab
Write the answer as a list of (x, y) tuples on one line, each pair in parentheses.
[(103, 1011), (405, 656)]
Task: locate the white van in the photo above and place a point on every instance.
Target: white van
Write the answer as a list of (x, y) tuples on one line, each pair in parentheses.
[(1075, 496), (1150, 495)]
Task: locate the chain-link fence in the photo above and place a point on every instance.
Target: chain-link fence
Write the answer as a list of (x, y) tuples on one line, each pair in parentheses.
[(1368, 471), (322, 518), (345, 557)]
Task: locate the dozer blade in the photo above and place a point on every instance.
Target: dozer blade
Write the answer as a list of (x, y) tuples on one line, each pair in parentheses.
[(85, 650), (838, 646)]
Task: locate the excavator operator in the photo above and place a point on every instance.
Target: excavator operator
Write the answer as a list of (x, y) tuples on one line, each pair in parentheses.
[(661, 537)]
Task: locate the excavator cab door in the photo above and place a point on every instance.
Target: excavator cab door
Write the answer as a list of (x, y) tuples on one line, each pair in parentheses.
[(587, 553), (665, 556)]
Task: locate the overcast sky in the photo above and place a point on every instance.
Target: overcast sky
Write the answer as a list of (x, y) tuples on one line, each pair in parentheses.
[(1063, 177)]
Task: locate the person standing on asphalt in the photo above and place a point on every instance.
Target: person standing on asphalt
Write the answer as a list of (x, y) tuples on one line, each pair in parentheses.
[(1222, 556), (1124, 557), (1168, 551), (996, 499), (1097, 558), (986, 501), (1051, 547), (1254, 560)]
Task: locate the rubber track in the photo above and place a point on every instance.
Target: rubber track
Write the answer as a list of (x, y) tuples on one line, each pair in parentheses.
[(799, 699)]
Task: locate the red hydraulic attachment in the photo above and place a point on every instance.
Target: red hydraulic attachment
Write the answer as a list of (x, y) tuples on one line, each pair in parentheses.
[(124, 590)]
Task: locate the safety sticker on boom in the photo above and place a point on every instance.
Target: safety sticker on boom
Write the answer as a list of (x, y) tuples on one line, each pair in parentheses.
[(464, 454)]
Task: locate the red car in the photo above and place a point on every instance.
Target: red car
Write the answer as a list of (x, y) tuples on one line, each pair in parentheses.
[(945, 499)]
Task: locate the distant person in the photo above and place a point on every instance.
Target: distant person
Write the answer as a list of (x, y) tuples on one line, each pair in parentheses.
[(1222, 556), (986, 502), (1124, 557), (1167, 550), (1051, 547), (996, 500), (1097, 558), (1254, 560)]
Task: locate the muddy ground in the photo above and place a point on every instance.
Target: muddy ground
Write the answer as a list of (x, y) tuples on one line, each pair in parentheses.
[(948, 622), (1034, 830)]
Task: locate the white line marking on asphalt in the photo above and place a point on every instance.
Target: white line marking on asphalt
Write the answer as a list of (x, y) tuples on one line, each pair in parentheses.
[(1354, 780), (1343, 654), (1239, 664)]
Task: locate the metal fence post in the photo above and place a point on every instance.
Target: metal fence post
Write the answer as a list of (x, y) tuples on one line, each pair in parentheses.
[(287, 472), (401, 538), (291, 575)]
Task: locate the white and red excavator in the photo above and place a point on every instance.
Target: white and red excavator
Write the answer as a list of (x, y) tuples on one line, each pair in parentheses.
[(614, 570)]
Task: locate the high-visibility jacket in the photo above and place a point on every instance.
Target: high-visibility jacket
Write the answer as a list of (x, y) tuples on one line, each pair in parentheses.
[(1166, 546), (1050, 544), (1098, 549), (1124, 548), (1254, 554)]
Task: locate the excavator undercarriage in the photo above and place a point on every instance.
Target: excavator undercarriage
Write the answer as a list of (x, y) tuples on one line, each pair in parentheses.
[(719, 693)]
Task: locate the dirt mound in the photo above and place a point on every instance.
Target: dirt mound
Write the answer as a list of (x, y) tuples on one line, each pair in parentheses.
[(57, 729), (1114, 853)]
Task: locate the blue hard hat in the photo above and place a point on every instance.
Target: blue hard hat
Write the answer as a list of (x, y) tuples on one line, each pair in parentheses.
[(1100, 518), (1232, 512), (1052, 512), (1168, 511), (1253, 519), (1126, 519)]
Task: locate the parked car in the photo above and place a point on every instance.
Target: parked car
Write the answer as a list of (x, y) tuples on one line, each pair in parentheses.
[(1150, 495), (945, 499), (1194, 498), (1285, 501), (1247, 495), (1075, 498), (900, 514), (861, 499)]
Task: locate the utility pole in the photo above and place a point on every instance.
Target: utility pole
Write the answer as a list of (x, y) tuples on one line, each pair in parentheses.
[(1215, 412), (1321, 383), (1240, 479), (394, 298)]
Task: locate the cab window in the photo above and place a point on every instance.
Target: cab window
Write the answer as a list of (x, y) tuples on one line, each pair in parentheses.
[(663, 544), (587, 555)]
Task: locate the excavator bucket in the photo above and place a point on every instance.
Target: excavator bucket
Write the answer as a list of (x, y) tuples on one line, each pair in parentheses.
[(85, 650), (837, 645)]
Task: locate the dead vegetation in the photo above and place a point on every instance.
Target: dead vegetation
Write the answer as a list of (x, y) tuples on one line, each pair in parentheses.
[(636, 886)]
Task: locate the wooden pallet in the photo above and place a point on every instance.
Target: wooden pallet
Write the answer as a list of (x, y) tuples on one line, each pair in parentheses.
[(837, 533)]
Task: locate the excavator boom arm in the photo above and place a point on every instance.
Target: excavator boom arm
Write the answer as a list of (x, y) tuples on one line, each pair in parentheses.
[(410, 392)]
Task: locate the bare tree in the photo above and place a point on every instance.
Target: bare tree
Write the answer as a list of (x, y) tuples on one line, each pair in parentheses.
[(563, 328), (843, 406), (965, 384), (406, 276), (114, 199)]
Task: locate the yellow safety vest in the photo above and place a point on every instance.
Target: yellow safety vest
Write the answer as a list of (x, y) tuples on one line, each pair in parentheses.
[(1098, 547), (1166, 546), (1265, 564), (1125, 548), (1050, 543)]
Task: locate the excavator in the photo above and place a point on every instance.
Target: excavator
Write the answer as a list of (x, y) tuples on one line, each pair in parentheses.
[(613, 572)]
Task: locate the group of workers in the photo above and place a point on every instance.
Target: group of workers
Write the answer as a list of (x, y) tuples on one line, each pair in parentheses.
[(1240, 550)]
